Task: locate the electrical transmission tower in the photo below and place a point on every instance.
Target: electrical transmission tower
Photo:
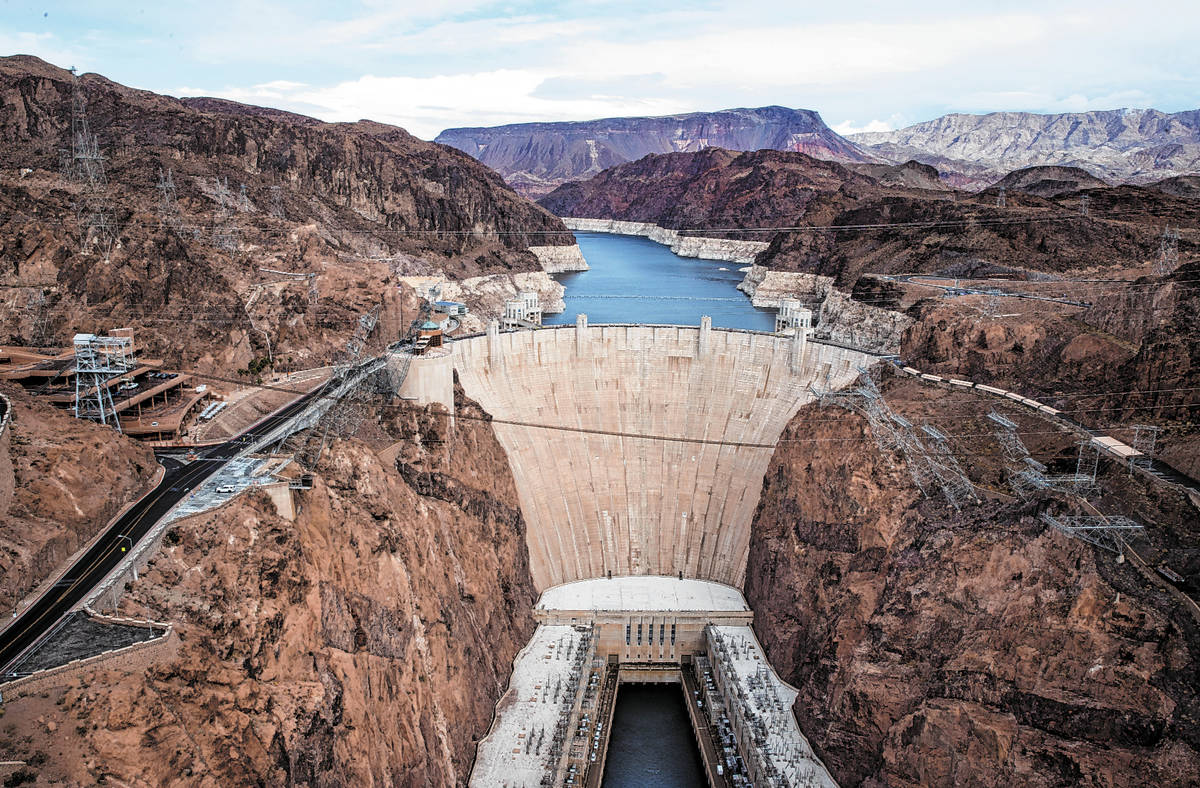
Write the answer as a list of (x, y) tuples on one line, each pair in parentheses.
[(84, 168), (39, 318), (1107, 532), (932, 466), (1168, 252), (98, 360), (955, 485), (344, 416), (224, 230), (1002, 197), (168, 206), (86, 164), (1028, 477), (1083, 205), (1145, 440), (277, 203), (243, 202)]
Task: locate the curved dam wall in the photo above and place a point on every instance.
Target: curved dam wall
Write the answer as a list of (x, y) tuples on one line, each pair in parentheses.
[(598, 503)]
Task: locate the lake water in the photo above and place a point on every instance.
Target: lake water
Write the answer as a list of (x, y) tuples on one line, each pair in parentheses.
[(635, 280), (652, 744)]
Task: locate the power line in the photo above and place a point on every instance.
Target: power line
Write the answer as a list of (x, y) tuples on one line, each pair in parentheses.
[(925, 224), (666, 438)]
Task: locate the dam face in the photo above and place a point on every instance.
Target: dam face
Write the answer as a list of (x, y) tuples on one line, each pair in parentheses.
[(603, 503), (638, 454)]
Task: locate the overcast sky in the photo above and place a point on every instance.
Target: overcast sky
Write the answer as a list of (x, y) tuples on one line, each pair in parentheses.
[(431, 65)]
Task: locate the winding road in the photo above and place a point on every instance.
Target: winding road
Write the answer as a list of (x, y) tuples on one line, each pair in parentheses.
[(93, 566)]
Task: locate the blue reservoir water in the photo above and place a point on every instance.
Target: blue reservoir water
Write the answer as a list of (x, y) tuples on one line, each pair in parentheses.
[(635, 280), (652, 744)]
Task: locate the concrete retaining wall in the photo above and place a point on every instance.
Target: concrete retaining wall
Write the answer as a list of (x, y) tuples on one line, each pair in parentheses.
[(600, 503)]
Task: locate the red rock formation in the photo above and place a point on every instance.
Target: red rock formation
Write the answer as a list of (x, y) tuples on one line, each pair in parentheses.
[(365, 643), (715, 188), (364, 196), (66, 479), (537, 157), (936, 649)]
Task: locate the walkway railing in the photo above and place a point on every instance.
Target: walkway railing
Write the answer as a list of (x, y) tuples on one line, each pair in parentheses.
[(754, 332)]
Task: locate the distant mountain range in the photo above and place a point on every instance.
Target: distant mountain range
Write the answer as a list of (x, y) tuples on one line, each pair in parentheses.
[(537, 157), (1124, 145), (970, 151)]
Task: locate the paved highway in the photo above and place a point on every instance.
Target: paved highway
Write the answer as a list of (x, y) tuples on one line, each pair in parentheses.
[(100, 559)]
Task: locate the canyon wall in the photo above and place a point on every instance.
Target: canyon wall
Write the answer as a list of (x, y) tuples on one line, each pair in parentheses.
[(560, 259), (837, 316), (610, 500), (366, 643), (935, 648), (258, 195), (486, 295), (729, 250), (61, 481), (536, 157)]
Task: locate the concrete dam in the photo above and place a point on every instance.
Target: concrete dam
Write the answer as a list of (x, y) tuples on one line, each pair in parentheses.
[(638, 453)]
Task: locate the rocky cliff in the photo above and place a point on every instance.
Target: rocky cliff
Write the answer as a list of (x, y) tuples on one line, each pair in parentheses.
[(935, 648), (255, 192), (894, 233), (1049, 181), (727, 249), (1135, 146), (1131, 357), (867, 323), (537, 157), (61, 481), (715, 189), (364, 644)]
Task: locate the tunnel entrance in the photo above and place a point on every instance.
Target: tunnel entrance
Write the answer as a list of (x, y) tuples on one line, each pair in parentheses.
[(652, 744)]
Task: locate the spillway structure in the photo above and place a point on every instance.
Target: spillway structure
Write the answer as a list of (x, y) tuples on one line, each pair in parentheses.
[(638, 453)]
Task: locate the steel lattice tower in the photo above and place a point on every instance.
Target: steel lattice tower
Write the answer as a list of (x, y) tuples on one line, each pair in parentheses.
[(98, 360), (1168, 252)]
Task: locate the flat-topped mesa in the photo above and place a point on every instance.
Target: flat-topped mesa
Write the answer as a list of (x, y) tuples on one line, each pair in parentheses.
[(655, 441)]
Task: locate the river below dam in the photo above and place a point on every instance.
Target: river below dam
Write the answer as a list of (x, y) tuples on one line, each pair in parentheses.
[(652, 744), (635, 280)]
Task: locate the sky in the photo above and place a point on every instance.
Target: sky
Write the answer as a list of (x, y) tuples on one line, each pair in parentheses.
[(432, 65)]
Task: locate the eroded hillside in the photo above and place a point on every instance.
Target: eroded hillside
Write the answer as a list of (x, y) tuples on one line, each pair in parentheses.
[(61, 480), (977, 648), (365, 643), (279, 228)]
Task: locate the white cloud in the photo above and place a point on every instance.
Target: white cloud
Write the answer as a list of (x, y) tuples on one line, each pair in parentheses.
[(848, 127), (788, 55), (427, 66), (47, 46), (426, 106)]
